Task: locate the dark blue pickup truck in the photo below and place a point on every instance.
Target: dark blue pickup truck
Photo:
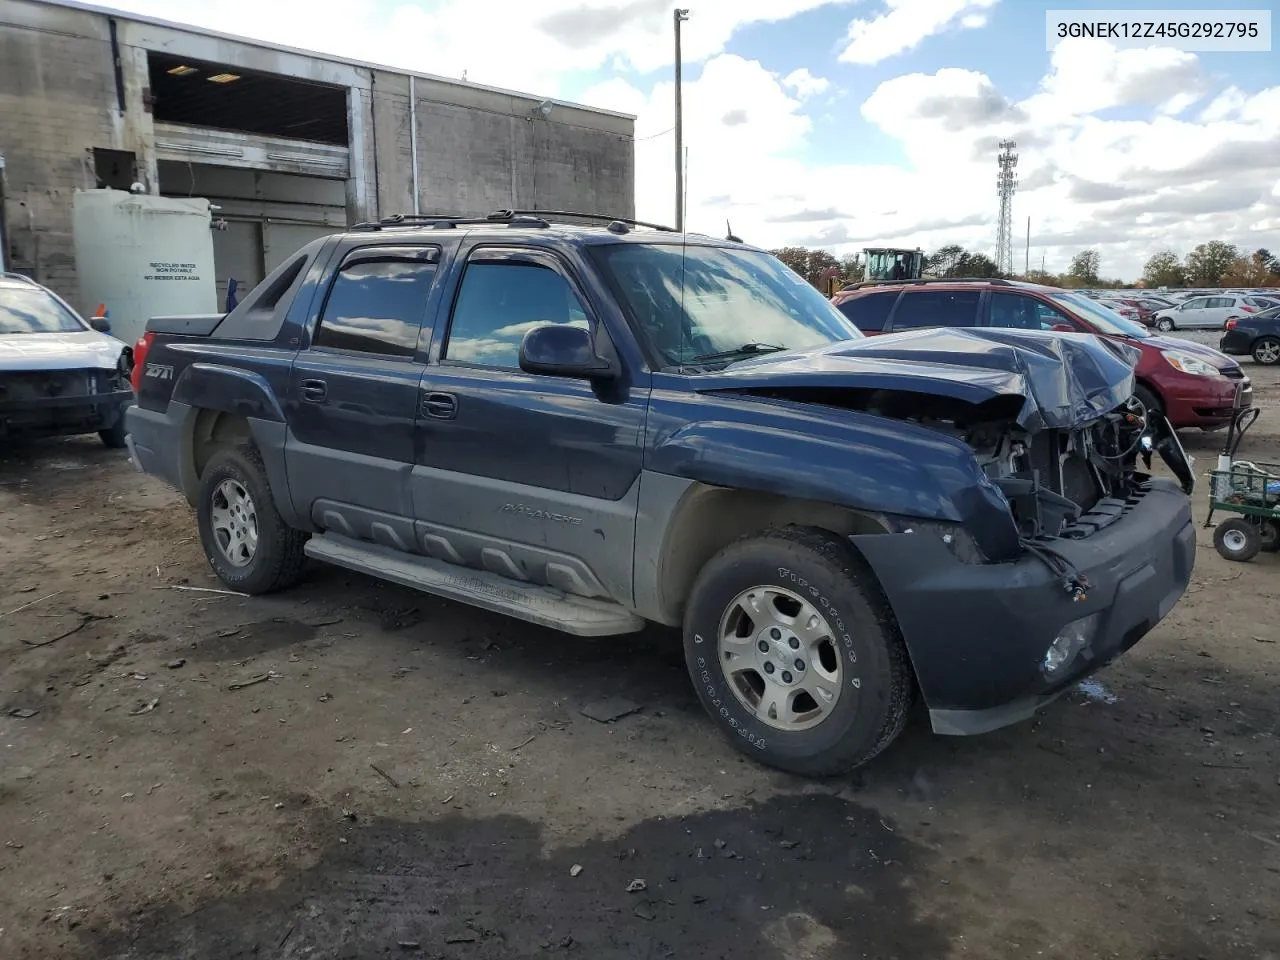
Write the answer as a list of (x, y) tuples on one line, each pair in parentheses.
[(592, 428)]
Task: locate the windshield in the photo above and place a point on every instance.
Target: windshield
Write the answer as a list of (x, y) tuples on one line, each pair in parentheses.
[(732, 303), (32, 310), (1107, 321)]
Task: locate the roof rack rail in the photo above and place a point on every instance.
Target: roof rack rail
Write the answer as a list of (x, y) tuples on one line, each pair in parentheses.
[(444, 221), (599, 217), (996, 281), (14, 275), (511, 218)]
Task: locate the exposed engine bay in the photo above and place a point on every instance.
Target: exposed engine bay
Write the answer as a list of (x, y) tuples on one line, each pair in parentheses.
[(1059, 482)]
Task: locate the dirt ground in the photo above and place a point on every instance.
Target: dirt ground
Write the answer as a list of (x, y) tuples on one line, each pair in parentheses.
[(414, 778)]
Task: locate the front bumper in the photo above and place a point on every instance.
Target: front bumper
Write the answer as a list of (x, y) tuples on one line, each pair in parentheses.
[(63, 416), (978, 633), (1206, 401)]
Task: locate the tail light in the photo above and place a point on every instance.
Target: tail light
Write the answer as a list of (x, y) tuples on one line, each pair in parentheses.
[(1231, 324), (139, 360), (1246, 308)]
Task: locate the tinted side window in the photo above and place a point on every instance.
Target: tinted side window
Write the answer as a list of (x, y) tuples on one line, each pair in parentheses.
[(1016, 312), (1197, 304), (936, 308), (1222, 301), (499, 302), (376, 306), (869, 311)]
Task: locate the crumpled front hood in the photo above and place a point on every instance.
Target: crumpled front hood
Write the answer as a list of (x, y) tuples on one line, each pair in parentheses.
[(58, 351), (1063, 379)]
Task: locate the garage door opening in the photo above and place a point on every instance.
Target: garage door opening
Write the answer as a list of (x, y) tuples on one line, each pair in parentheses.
[(201, 94), (260, 217)]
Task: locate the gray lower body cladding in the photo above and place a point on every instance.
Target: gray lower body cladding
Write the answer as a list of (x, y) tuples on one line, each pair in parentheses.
[(978, 633)]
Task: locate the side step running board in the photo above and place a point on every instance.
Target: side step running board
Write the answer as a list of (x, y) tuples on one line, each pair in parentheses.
[(541, 605)]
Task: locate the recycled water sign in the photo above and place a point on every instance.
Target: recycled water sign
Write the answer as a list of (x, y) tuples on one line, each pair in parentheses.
[(173, 271)]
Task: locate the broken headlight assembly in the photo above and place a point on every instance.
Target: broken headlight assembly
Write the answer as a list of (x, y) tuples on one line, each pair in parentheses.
[(953, 536)]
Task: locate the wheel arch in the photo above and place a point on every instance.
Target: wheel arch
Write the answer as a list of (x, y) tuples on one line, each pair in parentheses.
[(212, 429), (703, 520)]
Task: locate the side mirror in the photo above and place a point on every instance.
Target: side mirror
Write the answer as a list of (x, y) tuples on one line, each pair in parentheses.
[(559, 350), (101, 324), (1063, 328)]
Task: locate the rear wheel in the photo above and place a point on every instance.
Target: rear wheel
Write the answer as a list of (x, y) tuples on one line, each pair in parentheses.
[(794, 653), (1266, 350), (249, 547), (1237, 539)]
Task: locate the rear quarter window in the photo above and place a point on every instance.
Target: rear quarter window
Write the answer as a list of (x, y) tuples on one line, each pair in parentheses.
[(869, 311), (936, 308)]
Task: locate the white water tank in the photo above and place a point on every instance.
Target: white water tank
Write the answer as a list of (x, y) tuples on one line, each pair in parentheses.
[(143, 256)]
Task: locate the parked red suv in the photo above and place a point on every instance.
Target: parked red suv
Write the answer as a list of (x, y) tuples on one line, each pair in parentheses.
[(1195, 385)]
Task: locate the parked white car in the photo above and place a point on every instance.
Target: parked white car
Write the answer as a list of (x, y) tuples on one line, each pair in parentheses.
[(59, 374), (1206, 313)]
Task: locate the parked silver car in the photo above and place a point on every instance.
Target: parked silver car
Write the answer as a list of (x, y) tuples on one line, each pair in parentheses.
[(1207, 313)]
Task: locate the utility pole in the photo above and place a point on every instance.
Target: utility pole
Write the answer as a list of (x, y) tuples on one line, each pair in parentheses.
[(1026, 265), (678, 17)]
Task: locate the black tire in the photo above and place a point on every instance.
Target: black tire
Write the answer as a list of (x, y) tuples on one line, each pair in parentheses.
[(874, 701), (1266, 351), (1237, 539), (114, 438), (1268, 534), (1164, 325), (1148, 400), (278, 560)]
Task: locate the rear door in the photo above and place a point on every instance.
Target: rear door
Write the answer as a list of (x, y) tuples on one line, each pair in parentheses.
[(921, 307), (1217, 310), (353, 393)]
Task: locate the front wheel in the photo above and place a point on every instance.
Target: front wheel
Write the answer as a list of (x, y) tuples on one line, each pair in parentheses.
[(794, 653), (1164, 324), (1237, 539), (249, 547), (1266, 350), (114, 438)]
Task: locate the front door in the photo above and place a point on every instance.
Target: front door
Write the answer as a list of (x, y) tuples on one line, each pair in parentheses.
[(1191, 314), (353, 395), (532, 477)]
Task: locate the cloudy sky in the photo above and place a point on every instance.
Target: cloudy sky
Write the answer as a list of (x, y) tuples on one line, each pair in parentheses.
[(843, 123)]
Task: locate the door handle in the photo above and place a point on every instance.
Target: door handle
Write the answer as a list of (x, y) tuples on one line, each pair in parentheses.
[(441, 406), (314, 390)]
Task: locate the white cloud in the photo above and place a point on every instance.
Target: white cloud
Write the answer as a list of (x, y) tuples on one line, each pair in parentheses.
[(904, 24), (1127, 186), (804, 83)]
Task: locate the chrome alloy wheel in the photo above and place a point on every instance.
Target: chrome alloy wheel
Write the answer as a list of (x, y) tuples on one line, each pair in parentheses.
[(780, 658), (234, 520)]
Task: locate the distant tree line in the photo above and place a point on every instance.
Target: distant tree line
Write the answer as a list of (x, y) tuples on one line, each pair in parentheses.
[(1212, 264)]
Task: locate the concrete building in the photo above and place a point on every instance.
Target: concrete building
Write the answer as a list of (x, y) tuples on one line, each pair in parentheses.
[(287, 144)]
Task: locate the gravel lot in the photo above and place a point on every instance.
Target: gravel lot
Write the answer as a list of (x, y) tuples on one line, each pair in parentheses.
[(355, 770)]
